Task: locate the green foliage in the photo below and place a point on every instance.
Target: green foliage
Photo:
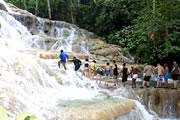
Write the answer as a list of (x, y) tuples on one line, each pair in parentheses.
[(3, 114), (21, 116)]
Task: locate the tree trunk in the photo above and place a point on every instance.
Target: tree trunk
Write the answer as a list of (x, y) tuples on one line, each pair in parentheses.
[(155, 45), (49, 9), (25, 5), (36, 11), (71, 9), (166, 30)]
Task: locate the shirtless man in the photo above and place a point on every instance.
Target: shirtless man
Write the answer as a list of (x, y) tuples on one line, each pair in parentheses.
[(160, 71), (147, 70)]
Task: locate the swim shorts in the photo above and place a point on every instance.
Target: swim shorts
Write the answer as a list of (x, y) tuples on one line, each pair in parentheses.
[(160, 78), (175, 76), (147, 78)]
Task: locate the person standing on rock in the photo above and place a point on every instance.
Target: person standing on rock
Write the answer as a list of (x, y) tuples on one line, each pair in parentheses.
[(92, 68), (63, 56), (134, 72), (107, 74), (166, 75), (160, 71), (175, 71), (148, 71), (115, 72), (86, 68), (77, 63), (124, 72), (99, 75)]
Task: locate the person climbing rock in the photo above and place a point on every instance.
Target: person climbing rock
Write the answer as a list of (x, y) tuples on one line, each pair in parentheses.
[(124, 72), (107, 74), (86, 68), (63, 56), (92, 68), (166, 75), (134, 73), (99, 75), (175, 71), (148, 71), (115, 73), (77, 63), (160, 71)]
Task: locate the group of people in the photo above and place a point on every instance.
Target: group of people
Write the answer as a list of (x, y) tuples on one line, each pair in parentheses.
[(163, 73), (90, 68)]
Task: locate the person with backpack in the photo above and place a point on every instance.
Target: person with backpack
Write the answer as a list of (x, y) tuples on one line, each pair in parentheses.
[(175, 72)]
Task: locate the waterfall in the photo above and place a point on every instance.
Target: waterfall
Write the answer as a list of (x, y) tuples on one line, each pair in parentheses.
[(37, 86)]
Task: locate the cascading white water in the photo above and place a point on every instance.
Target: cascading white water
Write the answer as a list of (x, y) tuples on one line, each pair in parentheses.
[(30, 84)]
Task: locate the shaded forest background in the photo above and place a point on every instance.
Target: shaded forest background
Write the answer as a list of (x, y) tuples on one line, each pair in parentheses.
[(150, 29)]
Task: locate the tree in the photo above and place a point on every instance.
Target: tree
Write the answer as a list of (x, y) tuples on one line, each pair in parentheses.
[(49, 9), (36, 10)]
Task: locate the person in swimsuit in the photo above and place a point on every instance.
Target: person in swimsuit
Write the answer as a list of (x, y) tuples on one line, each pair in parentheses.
[(99, 75), (148, 71), (92, 68), (124, 72), (115, 72), (166, 75), (160, 71), (86, 68), (107, 74), (134, 72)]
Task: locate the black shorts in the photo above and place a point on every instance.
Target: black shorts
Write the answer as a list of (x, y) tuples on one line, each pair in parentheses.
[(147, 78), (175, 76)]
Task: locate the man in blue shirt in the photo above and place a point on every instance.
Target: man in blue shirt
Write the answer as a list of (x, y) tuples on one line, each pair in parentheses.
[(62, 57)]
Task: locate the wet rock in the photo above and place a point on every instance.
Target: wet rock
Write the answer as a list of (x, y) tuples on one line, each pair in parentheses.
[(165, 102), (2, 7), (98, 110)]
